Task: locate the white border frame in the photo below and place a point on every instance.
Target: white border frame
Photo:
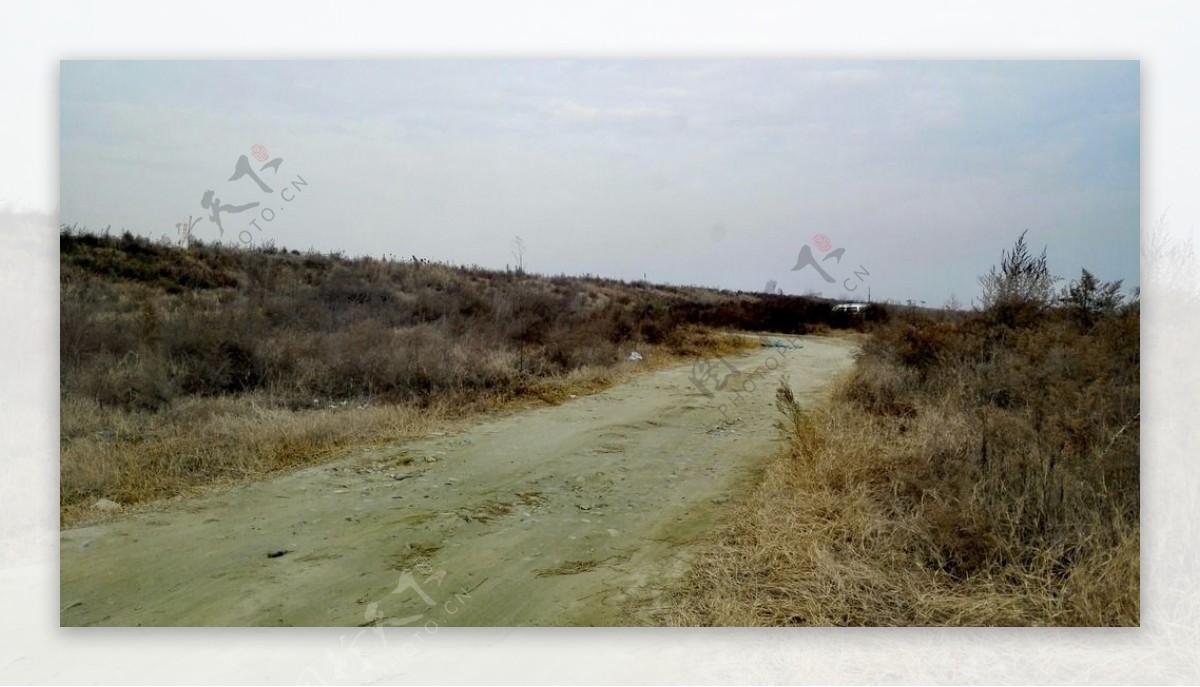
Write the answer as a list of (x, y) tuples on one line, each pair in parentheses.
[(35, 36)]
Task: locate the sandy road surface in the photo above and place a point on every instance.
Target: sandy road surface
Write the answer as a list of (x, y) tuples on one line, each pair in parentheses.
[(574, 514)]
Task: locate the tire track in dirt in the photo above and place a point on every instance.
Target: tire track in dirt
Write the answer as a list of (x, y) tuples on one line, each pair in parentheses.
[(576, 514)]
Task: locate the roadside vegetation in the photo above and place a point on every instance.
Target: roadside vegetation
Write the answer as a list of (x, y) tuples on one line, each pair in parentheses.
[(976, 469), (181, 369)]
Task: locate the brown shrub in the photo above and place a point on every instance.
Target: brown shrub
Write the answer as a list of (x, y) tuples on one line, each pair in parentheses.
[(964, 473), (879, 388), (148, 330)]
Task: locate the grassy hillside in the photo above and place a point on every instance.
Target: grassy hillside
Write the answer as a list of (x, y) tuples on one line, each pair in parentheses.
[(184, 368)]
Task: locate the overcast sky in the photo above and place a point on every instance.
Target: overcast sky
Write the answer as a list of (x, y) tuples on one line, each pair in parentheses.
[(715, 173)]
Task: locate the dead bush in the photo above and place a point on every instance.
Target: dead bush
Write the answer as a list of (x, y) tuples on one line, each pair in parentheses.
[(981, 470)]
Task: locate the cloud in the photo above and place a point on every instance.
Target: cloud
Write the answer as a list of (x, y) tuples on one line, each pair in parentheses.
[(574, 111), (849, 76), (935, 108)]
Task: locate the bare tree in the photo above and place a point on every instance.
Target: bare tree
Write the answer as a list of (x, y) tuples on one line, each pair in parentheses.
[(519, 253), (1089, 298), (1022, 284)]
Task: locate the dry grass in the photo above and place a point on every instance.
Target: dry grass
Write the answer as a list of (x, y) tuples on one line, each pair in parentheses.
[(413, 554), (132, 456), (961, 474), (137, 456), (568, 568), (826, 540)]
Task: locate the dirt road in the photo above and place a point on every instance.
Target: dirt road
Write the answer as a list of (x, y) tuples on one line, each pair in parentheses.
[(575, 514)]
